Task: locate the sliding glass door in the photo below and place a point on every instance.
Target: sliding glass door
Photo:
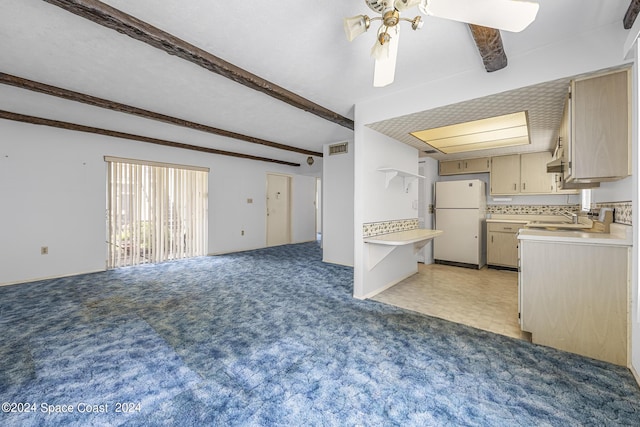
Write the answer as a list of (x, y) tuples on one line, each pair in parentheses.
[(156, 212)]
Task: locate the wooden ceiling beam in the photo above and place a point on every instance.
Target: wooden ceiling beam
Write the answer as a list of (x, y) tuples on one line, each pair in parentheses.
[(112, 133), (631, 14), (128, 109), (489, 43), (115, 19)]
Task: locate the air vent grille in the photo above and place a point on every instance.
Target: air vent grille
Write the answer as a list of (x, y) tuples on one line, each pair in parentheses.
[(340, 148)]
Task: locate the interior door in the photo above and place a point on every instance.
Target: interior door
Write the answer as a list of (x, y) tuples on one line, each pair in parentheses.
[(278, 210)]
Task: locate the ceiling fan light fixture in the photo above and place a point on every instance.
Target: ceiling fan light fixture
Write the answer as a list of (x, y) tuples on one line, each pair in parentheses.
[(391, 18), (417, 23), (356, 25), (380, 49), (402, 5), (380, 52)]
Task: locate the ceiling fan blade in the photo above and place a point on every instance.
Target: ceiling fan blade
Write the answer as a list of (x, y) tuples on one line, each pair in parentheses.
[(385, 69), (508, 15)]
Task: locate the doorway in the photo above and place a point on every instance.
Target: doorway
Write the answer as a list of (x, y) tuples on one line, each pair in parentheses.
[(278, 209)]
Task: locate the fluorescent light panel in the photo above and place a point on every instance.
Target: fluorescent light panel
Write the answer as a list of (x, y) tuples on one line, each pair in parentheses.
[(494, 132)]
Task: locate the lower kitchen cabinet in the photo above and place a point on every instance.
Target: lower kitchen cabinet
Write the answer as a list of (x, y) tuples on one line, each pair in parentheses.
[(502, 244), (573, 297)]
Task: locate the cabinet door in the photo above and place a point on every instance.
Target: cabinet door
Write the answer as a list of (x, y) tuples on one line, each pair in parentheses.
[(505, 174), (533, 173), (564, 138), (502, 249), (478, 165), (450, 167), (601, 127)]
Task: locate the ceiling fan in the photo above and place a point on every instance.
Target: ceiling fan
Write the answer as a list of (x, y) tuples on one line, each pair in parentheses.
[(508, 15)]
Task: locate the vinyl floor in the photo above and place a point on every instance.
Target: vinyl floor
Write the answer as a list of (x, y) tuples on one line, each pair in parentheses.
[(486, 299)]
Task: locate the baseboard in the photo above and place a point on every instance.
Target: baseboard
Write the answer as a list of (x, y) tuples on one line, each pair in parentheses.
[(233, 251), (385, 287), (39, 279), (337, 263), (635, 374), (458, 264)]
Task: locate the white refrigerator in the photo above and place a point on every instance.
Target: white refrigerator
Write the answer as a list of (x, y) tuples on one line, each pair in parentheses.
[(460, 214)]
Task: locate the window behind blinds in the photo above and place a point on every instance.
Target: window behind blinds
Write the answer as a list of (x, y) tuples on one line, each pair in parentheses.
[(156, 212)]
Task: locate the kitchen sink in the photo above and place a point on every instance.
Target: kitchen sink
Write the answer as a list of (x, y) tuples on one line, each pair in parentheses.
[(550, 222), (563, 224)]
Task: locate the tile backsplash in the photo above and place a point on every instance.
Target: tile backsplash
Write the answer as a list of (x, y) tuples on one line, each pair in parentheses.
[(622, 210), (622, 215), (384, 227), (531, 209)]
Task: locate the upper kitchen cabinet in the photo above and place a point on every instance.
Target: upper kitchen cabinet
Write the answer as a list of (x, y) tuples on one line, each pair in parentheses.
[(534, 178), (521, 174), (599, 140), (505, 174), (457, 167)]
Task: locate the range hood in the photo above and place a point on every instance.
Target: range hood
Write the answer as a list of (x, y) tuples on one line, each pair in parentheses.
[(579, 185), (555, 166)]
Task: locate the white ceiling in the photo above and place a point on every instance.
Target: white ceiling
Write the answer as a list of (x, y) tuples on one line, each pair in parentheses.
[(299, 45)]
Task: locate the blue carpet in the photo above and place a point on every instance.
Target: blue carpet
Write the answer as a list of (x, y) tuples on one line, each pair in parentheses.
[(273, 337)]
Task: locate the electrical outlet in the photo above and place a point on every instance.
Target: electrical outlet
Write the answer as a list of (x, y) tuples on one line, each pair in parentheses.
[(44, 250), (242, 233), (249, 201)]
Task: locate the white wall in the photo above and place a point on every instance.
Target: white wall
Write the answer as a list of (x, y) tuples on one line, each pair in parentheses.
[(53, 193), (376, 203), (337, 207)]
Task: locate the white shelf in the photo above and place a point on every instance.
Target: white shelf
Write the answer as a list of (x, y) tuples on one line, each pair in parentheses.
[(407, 177), (382, 245)]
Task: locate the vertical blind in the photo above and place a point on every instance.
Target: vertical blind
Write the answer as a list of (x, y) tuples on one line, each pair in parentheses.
[(156, 212)]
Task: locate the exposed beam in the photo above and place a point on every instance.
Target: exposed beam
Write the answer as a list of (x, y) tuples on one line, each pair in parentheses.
[(631, 14), (489, 43), (123, 108), (81, 128), (115, 19)]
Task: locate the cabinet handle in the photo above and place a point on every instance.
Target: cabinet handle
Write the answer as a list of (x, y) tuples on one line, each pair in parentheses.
[(515, 186), (491, 239), (465, 165), (508, 228), (459, 165), (524, 185)]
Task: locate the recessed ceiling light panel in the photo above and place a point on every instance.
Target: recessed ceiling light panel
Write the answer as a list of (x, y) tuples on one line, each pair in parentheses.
[(493, 132)]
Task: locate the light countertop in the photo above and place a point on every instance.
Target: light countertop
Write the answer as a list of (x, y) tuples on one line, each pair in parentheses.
[(403, 237), (620, 235)]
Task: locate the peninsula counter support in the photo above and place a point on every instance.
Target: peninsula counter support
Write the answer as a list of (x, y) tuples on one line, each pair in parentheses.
[(379, 247)]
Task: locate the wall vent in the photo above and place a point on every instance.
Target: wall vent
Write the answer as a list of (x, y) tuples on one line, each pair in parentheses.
[(340, 148)]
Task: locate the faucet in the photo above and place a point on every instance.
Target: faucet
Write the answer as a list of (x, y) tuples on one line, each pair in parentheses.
[(570, 215)]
